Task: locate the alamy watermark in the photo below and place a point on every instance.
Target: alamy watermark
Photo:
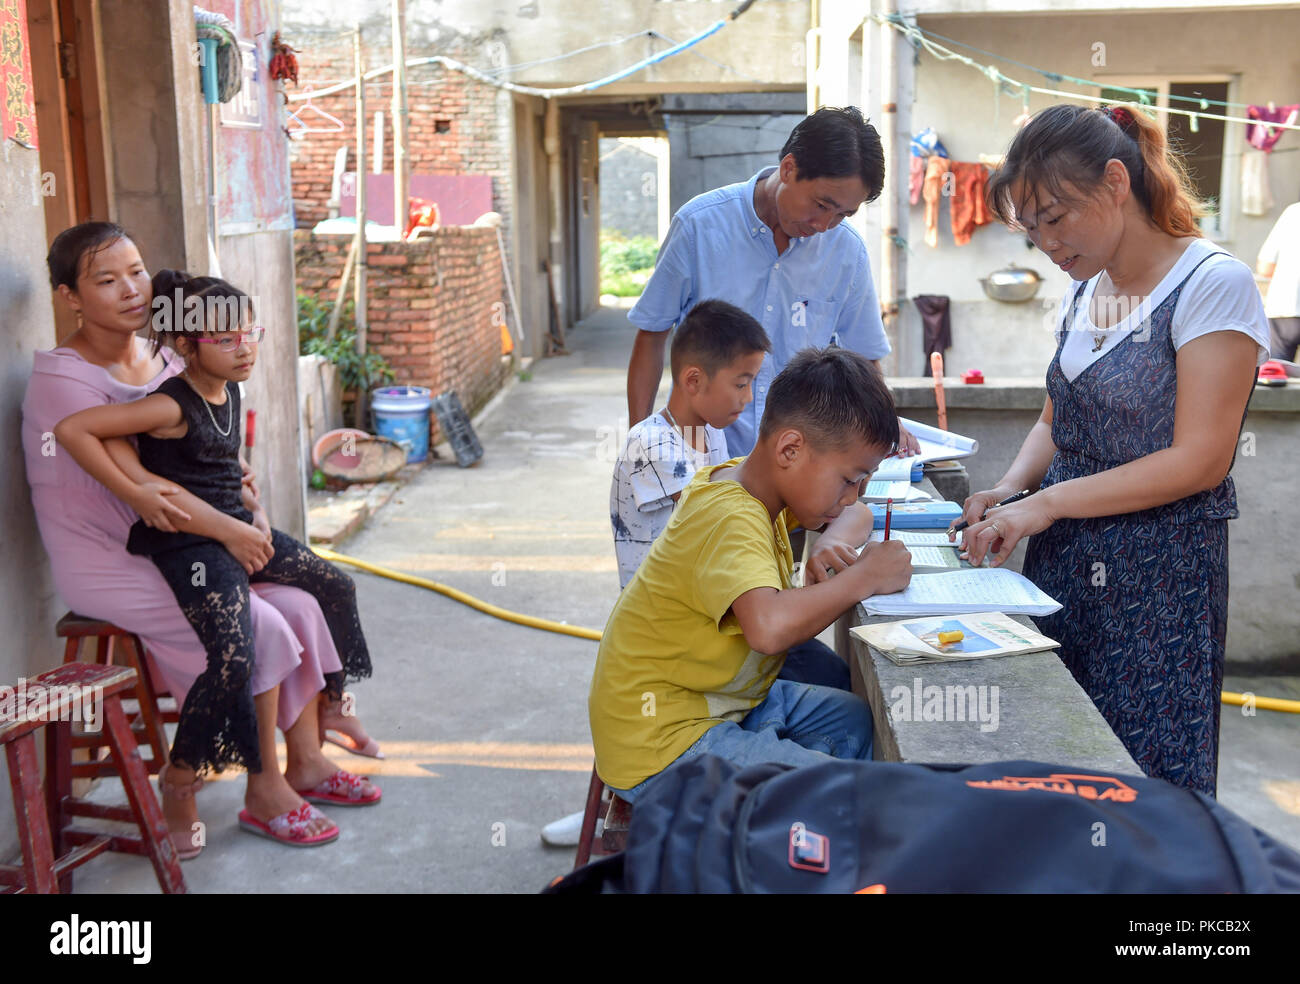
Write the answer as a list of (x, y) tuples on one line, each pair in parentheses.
[(82, 704), (195, 314), (950, 703)]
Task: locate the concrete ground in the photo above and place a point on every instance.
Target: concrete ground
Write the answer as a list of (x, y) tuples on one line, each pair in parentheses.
[(485, 722)]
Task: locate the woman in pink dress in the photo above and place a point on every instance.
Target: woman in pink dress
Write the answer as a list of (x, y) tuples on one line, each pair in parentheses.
[(97, 270)]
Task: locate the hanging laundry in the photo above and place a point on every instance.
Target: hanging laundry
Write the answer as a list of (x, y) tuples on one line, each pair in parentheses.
[(967, 204), (1256, 198), (931, 190), (936, 325), (915, 178), (1262, 136), (927, 142)]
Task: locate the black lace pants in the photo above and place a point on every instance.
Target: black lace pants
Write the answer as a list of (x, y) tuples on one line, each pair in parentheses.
[(218, 724)]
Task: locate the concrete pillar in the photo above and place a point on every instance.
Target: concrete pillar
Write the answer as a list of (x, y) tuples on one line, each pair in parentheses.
[(156, 133)]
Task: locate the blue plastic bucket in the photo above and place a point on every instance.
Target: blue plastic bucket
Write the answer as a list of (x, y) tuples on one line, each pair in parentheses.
[(402, 415)]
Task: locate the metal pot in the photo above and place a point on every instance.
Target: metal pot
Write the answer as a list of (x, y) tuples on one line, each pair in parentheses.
[(1012, 284)]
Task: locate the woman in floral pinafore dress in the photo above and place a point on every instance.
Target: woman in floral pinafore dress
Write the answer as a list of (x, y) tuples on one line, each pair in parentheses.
[(1129, 521)]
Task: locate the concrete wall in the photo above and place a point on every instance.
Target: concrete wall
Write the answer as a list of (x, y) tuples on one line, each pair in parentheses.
[(531, 239), (1252, 46), (717, 140), (628, 191), (1263, 620), (765, 44), (155, 144), (26, 325), (582, 153)]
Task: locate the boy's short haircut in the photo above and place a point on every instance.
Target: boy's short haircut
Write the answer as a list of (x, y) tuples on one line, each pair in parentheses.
[(831, 395), (713, 335)]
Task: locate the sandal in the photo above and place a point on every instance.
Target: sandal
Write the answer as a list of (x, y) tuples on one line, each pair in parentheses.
[(186, 849), (290, 828), (342, 789), (353, 736)]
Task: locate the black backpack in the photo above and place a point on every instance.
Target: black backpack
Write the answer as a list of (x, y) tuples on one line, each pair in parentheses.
[(707, 825)]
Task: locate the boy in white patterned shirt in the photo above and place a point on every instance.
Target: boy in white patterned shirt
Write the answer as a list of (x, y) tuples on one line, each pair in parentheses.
[(716, 354), (717, 351)]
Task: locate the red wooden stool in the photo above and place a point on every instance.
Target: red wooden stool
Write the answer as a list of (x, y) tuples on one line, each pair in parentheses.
[(618, 817), (47, 862), (146, 719)]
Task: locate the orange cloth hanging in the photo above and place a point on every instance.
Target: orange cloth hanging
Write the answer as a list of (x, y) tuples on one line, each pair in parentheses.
[(967, 204), (931, 190)]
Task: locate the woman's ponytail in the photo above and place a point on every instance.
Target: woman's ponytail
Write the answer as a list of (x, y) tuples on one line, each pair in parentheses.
[(1068, 145), (1167, 188)]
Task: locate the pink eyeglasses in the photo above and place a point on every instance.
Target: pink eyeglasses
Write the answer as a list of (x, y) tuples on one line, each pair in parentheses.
[(231, 340)]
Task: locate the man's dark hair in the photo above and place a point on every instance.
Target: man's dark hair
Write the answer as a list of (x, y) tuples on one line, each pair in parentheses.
[(832, 395), (713, 335), (838, 143)]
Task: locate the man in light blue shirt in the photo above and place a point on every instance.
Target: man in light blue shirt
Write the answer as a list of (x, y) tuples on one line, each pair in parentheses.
[(775, 247)]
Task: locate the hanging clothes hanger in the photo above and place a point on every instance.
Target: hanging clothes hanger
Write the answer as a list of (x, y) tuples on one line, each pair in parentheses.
[(336, 125)]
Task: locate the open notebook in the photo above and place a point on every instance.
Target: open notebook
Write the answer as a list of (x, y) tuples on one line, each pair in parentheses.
[(928, 549), (974, 589)]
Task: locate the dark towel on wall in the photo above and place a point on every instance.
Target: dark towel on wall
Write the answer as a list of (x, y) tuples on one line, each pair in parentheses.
[(936, 325)]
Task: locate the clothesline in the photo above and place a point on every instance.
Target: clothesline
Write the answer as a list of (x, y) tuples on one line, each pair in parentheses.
[(458, 66), (915, 35), (1142, 94), (497, 71)]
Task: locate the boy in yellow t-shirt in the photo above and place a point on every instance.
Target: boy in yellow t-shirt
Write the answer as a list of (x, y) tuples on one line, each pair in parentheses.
[(689, 659)]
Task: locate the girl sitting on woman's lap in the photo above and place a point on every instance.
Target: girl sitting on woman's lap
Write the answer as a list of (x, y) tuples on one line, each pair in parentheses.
[(188, 433)]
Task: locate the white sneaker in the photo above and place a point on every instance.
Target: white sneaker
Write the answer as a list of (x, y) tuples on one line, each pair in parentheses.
[(567, 831)]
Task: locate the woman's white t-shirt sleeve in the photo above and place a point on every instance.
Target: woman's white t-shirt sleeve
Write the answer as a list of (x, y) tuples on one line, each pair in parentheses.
[(1222, 296)]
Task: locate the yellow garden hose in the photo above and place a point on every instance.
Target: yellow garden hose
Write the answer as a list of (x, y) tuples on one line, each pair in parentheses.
[(1263, 703), (546, 625), (495, 611)]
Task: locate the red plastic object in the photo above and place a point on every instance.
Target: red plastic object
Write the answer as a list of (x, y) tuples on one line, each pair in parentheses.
[(1272, 373), (250, 427), (971, 376)]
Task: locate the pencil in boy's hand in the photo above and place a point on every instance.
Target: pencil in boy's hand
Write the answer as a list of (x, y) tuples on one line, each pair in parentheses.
[(889, 515)]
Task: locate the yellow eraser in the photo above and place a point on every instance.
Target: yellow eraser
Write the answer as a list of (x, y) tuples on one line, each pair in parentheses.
[(947, 637)]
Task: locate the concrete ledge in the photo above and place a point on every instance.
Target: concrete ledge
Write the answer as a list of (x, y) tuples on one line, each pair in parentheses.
[(332, 517), (1041, 712), (996, 393), (1023, 393)]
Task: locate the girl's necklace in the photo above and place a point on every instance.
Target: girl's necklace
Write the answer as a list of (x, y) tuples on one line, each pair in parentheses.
[(230, 410)]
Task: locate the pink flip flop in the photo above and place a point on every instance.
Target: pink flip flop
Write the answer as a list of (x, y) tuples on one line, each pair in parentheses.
[(342, 789), (370, 749), (348, 734), (290, 828)]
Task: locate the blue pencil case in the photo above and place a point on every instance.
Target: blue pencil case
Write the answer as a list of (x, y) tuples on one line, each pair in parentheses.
[(917, 515)]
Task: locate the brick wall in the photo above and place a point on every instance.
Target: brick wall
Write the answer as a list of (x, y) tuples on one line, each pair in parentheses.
[(455, 125), (434, 306)]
